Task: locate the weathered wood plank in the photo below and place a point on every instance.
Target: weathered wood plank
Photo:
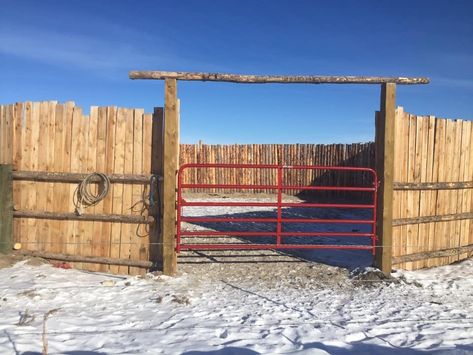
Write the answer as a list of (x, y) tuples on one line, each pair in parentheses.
[(19, 227), (58, 203), (42, 227), (99, 246), (138, 198), (118, 167), (109, 169), (67, 201), (90, 239)]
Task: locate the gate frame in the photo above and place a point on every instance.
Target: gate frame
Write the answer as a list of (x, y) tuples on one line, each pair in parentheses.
[(279, 220), (384, 148)]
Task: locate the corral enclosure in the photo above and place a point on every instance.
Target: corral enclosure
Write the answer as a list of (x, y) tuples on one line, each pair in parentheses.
[(51, 137), (58, 138)]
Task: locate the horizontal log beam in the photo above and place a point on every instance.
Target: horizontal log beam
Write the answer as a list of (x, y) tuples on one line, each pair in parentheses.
[(433, 254), (84, 217), (279, 79), (429, 219), (46, 176), (87, 259), (432, 185)]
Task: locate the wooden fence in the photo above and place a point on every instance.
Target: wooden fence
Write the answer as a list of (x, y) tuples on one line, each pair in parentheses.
[(53, 146), (357, 154), (433, 182), (51, 137)]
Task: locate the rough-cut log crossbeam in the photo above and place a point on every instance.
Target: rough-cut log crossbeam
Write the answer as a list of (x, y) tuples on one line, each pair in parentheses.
[(87, 259), (433, 254), (432, 185), (85, 217), (46, 176), (280, 79), (429, 219)]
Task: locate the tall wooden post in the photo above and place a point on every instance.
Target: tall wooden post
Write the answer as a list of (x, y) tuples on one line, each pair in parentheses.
[(385, 170), (6, 208), (170, 163), (156, 210)]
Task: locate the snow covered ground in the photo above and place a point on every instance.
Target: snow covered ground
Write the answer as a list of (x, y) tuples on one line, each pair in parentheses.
[(217, 311), (248, 303)]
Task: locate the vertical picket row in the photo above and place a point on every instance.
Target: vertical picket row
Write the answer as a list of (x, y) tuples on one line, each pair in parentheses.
[(432, 150)]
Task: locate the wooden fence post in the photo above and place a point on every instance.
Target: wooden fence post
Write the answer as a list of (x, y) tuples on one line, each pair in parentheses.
[(157, 146), (171, 160), (385, 170), (6, 208)]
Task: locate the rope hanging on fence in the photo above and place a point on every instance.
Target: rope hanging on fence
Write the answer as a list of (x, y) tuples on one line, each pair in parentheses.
[(84, 196)]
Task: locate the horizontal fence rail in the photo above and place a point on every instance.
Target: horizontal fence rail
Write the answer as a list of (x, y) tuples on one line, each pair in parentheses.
[(47, 176), (277, 233)]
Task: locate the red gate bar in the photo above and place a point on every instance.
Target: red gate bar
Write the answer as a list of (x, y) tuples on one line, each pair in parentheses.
[(279, 220), (271, 204), (273, 187), (272, 220), (270, 246), (269, 234)]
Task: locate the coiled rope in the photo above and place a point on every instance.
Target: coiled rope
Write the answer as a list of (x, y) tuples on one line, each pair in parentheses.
[(84, 196)]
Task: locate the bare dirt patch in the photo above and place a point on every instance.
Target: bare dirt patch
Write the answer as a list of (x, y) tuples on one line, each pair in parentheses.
[(8, 260), (270, 268)]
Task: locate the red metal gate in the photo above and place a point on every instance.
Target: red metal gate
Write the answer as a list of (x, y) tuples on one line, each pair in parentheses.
[(278, 233)]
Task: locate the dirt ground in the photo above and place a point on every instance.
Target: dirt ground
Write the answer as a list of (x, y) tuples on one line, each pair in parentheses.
[(271, 268), (7, 260)]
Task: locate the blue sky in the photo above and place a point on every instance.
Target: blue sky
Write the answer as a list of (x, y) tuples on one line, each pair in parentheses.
[(82, 51)]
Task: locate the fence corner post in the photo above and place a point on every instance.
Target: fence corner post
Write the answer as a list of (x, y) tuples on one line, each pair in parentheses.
[(385, 170), (6, 208)]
